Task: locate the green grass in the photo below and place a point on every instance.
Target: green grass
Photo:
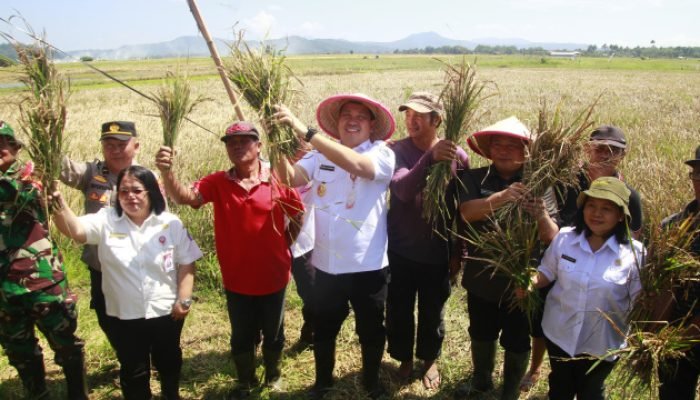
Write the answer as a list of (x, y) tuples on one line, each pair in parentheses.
[(658, 109)]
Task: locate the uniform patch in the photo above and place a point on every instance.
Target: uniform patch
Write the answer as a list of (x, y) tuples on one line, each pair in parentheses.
[(324, 167), (94, 196), (568, 258), (104, 198), (100, 178)]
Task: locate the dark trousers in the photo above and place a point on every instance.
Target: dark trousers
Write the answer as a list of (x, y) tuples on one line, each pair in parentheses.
[(570, 377), (137, 342), (366, 292), (249, 315), (304, 282), (488, 319), (431, 285), (680, 377), (97, 303)]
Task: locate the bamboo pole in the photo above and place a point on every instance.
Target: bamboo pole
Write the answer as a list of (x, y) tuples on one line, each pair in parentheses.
[(215, 56)]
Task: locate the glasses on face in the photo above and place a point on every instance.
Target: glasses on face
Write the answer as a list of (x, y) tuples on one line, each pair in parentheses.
[(136, 191)]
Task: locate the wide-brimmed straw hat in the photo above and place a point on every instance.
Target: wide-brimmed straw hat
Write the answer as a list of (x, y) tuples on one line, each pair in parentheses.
[(608, 188), (480, 141), (328, 112)]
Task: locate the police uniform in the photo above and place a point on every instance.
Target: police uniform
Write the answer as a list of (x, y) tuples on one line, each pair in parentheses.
[(33, 288)]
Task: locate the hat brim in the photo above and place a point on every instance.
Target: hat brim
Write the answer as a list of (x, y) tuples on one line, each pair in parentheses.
[(693, 163), (328, 112), (480, 142), (123, 138), (252, 134), (604, 195), (607, 142), (417, 107)]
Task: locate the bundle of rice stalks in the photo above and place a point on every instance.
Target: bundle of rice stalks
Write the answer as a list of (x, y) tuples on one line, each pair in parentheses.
[(669, 267), (555, 155), (461, 98), (175, 102), (42, 109), (263, 79), (511, 248)]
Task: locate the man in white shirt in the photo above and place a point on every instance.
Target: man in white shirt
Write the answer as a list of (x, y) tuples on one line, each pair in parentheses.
[(349, 199)]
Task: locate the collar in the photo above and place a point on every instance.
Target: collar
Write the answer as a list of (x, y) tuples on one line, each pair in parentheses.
[(363, 146), (491, 173), (264, 173), (611, 243), (118, 217)]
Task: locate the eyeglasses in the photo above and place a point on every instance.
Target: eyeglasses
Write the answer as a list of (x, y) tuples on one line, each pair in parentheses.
[(124, 192), (694, 174)]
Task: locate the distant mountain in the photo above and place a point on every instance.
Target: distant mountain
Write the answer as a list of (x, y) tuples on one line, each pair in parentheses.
[(194, 46)]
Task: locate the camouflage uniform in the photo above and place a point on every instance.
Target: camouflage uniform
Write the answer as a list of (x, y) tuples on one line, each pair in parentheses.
[(33, 288)]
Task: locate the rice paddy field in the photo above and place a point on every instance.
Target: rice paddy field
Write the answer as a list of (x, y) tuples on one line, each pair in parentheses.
[(656, 102)]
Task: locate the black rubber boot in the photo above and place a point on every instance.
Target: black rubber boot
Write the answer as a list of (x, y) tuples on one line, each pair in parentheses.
[(273, 374), (76, 381), (33, 376), (483, 363), (245, 369), (371, 363), (324, 358), (514, 368)]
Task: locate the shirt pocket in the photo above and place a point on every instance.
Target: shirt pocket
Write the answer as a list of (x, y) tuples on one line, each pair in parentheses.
[(119, 246), (617, 275)]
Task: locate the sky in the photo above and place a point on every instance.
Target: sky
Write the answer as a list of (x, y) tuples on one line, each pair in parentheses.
[(106, 24)]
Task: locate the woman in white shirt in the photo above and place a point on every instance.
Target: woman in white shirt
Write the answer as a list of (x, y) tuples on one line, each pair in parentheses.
[(147, 260), (595, 267)]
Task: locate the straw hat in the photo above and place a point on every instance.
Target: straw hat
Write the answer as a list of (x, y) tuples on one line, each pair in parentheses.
[(328, 111), (480, 141)]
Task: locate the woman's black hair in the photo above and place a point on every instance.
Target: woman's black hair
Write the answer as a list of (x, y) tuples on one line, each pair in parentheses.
[(621, 229), (150, 183)]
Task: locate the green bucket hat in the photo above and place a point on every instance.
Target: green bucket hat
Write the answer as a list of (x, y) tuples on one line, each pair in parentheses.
[(6, 130), (608, 188)]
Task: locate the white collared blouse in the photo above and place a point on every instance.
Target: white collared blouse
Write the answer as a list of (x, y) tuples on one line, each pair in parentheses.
[(350, 212), (139, 263), (588, 286)]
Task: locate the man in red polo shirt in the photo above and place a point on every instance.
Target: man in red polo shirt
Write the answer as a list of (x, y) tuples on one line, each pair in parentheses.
[(249, 211)]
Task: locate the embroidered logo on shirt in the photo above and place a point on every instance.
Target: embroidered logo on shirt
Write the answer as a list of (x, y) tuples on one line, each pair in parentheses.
[(568, 258), (162, 240), (324, 167), (618, 262)]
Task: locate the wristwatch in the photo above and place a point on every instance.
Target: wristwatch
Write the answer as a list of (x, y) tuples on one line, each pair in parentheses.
[(311, 131), (186, 303)]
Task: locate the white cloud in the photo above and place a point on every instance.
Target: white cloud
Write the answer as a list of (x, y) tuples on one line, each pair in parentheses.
[(309, 28), (277, 7), (262, 23)]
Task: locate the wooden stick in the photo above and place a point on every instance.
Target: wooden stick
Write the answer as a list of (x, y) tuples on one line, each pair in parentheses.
[(217, 60)]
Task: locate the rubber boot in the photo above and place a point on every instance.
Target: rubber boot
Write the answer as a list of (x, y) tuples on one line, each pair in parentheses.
[(76, 382), (273, 374), (483, 363), (245, 369), (33, 376), (371, 362), (514, 368), (324, 359)]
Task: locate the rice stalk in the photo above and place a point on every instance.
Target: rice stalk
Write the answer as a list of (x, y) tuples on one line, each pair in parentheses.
[(42, 110), (555, 155), (264, 80), (510, 248), (175, 102), (669, 266), (461, 97)]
